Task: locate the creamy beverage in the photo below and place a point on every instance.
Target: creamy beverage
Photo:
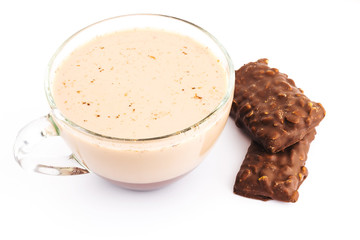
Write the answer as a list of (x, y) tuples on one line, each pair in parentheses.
[(139, 99), (139, 83)]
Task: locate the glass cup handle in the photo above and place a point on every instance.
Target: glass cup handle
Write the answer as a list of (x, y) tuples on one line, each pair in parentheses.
[(38, 146)]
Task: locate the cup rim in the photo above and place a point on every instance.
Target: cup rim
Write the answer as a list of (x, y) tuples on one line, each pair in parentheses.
[(58, 115)]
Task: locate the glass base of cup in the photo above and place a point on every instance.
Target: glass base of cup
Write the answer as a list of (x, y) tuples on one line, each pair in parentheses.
[(144, 186)]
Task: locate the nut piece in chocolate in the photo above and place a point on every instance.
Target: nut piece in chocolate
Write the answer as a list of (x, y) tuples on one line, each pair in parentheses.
[(277, 176), (270, 108)]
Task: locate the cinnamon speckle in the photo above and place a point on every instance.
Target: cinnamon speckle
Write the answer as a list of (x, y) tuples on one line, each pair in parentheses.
[(197, 97)]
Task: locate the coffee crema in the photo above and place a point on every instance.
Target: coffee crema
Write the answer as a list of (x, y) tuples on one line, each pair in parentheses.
[(139, 83)]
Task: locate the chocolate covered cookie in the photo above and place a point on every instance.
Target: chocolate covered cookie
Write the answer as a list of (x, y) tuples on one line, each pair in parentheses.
[(270, 108), (277, 176)]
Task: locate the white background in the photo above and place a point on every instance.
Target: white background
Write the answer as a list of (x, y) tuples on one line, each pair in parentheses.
[(317, 43)]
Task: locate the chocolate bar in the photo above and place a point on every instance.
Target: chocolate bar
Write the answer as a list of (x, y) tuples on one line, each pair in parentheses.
[(277, 176), (270, 108)]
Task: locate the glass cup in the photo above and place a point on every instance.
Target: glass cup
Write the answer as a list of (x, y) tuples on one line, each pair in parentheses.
[(139, 164)]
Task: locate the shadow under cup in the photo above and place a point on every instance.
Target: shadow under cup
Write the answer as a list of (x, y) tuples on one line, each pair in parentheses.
[(140, 164)]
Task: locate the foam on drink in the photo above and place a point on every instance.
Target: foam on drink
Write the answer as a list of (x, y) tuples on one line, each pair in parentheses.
[(139, 83)]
